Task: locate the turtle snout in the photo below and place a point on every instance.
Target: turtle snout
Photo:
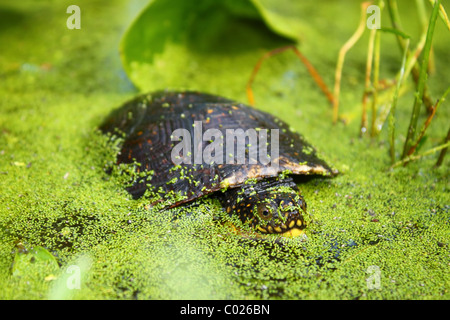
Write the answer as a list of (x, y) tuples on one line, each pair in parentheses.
[(291, 220), (283, 222)]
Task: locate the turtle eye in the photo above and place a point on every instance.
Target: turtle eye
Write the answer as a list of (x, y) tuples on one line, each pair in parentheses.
[(264, 213)]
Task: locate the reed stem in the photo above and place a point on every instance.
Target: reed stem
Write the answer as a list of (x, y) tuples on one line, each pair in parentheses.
[(394, 102), (428, 121), (342, 52), (444, 151), (395, 20), (416, 157), (410, 136)]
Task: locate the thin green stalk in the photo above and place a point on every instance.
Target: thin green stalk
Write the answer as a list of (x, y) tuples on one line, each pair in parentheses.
[(367, 86), (341, 57), (394, 103), (420, 4), (395, 20), (443, 15), (421, 81), (416, 157), (428, 121), (422, 13), (385, 98), (444, 151), (376, 79)]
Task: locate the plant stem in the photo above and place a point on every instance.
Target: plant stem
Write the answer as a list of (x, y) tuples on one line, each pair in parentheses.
[(421, 11), (394, 102), (342, 52), (422, 80), (312, 71), (376, 77), (416, 157), (444, 151), (395, 20), (443, 15), (428, 121), (367, 86)]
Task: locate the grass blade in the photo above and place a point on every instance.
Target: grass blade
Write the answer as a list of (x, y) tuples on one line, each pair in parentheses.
[(342, 52), (444, 151), (421, 81), (443, 14), (427, 122), (395, 20), (394, 103), (416, 157)]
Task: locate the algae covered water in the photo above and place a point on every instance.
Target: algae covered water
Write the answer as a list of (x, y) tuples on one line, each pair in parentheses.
[(70, 230)]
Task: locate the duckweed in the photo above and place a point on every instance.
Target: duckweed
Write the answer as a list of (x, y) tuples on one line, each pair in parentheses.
[(61, 209)]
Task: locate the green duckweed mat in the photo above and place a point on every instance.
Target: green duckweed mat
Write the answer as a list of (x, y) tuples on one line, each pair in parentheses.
[(68, 230)]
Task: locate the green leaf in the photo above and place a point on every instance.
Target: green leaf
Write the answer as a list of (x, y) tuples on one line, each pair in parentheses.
[(396, 32), (281, 16), (206, 45), (35, 261)]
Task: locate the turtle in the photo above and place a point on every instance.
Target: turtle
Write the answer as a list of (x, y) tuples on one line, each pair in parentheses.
[(255, 185)]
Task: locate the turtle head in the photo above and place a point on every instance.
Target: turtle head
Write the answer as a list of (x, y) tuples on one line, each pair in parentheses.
[(274, 211)]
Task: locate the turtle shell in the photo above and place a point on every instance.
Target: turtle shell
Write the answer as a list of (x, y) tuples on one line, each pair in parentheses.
[(148, 122)]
